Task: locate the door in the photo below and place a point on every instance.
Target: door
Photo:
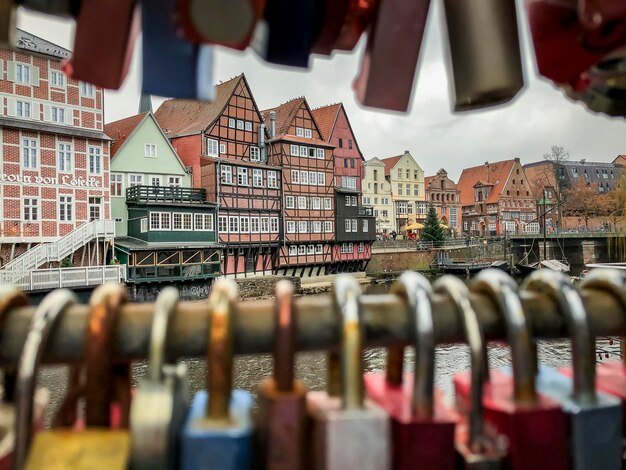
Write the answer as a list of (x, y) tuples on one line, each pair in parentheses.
[(95, 208)]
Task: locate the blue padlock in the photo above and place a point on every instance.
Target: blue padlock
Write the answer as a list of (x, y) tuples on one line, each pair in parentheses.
[(172, 66), (595, 418), (218, 430)]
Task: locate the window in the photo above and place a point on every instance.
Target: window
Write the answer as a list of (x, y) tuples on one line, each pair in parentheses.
[(310, 249), (64, 158), (265, 225), (399, 190), (188, 222), (116, 184), (294, 150), (303, 227), (301, 249), (135, 180), (57, 114), (95, 160), (303, 151), (255, 154), (272, 181), (350, 145), (22, 109), (174, 181), (408, 189), (347, 201), (31, 209), (366, 200), (304, 177), (222, 149), (233, 224), (29, 153), (355, 226), (86, 90), (165, 220), (212, 147), (361, 247), (177, 221), (295, 176), (290, 202), (317, 226), (399, 173), (321, 178), (222, 224), (149, 150), (311, 152), (307, 133), (293, 250), (143, 225), (239, 124), (416, 175), (349, 182), (244, 224), (320, 154), (231, 123), (385, 213), (316, 203), (248, 126), (227, 174), (301, 202), (299, 132), (416, 190), (384, 200), (328, 226), (160, 220), (155, 180), (345, 163), (257, 177), (22, 74), (340, 143), (242, 176), (353, 198), (352, 163), (327, 204), (313, 178), (65, 208), (254, 225), (319, 249), (365, 225), (291, 226), (57, 79), (203, 222), (348, 226)]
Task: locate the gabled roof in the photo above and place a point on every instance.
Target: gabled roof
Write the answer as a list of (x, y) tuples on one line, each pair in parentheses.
[(120, 130), (183, 117), (326, 117), (390, 162), (374, 161), (495, 174), (285, 113), (29, 42), (427, 180), (620, 160)]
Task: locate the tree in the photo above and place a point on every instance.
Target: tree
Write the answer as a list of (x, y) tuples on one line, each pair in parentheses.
[(584, 201), (432, 231), (554, 177)]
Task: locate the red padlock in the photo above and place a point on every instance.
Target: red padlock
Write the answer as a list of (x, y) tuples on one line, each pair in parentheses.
[(422, 422), (535, 426)]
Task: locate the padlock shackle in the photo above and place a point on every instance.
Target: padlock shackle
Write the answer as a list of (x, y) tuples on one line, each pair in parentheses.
[(458, 292), (164, 308), (285, 346), (10, 297), (502, 290), (612, 282), (45, 319), (100, 387), (346, 293), (415, 290), (220, 349), (570, 304)]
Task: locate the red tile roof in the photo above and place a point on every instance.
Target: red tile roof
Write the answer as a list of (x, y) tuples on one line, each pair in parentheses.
[(495, 174), (181, 117), (302, 140), (119, 131), (620, 160), (390, 162), (284, 115), (326, 116), (428, 179)]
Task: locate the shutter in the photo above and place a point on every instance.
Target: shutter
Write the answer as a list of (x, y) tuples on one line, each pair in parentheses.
[(11, 71), (10, 107), (1, 69), (35, 111), (34, 77), (69, 116), (46, 113)]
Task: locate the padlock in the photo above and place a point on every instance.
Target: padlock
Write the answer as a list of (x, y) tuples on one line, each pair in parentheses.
[(477, 445), (386, 80), (104, 63), (218, 429), (484, 52), (534, 425), (335, 16), (422, 422), (282, 400), (360, 17), (45, 319), (160, 403), (595, 419), (98, 446), (348, 432), (225, 23)]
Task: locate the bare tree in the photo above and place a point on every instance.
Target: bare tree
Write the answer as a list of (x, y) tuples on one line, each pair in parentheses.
[(555, 178)]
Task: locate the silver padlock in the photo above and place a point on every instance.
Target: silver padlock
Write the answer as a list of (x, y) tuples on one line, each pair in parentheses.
[(160, 404)]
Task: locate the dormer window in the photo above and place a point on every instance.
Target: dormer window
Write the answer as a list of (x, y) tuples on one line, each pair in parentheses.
[(299, 132)]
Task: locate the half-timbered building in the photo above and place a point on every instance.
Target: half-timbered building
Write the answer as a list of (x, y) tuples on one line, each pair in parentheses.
[(355, 226), (297, 145), (224, 144)]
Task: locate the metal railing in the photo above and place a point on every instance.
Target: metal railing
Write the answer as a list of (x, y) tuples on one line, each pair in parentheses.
[(55, 278), (450, 243), (365, 211), (165, 194), (63, 247)]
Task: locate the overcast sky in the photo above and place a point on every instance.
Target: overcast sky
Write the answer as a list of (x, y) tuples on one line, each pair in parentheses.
[(540, 117)]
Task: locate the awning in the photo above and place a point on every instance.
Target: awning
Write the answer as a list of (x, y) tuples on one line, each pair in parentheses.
[(413, 226)]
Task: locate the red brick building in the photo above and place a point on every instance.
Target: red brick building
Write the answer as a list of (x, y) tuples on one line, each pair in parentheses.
[(224, 143), (54, 160), (443, 194), (355, 225), (298, 146)]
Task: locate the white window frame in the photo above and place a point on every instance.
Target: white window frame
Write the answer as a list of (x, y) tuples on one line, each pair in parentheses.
[(294, 150), (222, 224), (248, 126), (255, 153), (317, 226), (265, 225), (31, 212), (304, 151), (138, 179), (58, 115), (319, 249), (177, 221), (321, 178), (187, 221), (255, 224), (68, 207), (290, 202), (328, 205), (328, 226), (295, 176), (308, 133), (226, 174), (302, 202), (310, 249), (244, 224), (302, 249), (299, 132), (212, 147), (361, 248), (240, 125), (242, 177), (233, 224), (23, 73), (365, 225), (272, 179), (116, 180), (355, 225), (320, 154), (174, 181), (23, 109), (87, 90), (94, 155), (64, 157), (231, 123), (348, 225), (57, 79), (291, 226), (274, 225), (313, 178), (303, 226), (156, 179), (304, 177), (29, 153), (150, 150), (143, 224), (293, 250), (257, 178), (316, 203)]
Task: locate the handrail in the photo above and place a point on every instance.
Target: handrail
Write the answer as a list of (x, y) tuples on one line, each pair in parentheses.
[(136, 194), (56, 278)]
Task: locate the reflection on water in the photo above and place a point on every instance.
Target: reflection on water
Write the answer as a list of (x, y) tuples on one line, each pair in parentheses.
[(311, 367)]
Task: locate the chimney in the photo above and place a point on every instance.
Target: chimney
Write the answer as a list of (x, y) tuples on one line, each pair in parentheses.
[(406, 152), (272, 124), (145, 103), (262, 144), (487, 165)]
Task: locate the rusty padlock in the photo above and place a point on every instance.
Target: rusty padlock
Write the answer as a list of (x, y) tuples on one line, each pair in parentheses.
[(422, 420), (282, 400), (8, 15), (350, 432), (98, 446)]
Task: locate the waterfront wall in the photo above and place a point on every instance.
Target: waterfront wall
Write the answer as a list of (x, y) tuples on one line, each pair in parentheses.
[(399, 261)]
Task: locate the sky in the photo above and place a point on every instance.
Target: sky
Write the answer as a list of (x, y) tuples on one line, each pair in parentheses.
[(539, 117)]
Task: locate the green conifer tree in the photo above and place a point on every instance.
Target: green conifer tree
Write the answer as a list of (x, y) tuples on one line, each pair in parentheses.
[(432, 231)]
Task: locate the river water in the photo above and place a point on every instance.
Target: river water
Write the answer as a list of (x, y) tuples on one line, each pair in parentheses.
[(311, 367)]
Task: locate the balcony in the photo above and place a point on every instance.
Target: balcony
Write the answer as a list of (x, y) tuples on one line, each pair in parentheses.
[(140, 194), (365, 211)]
